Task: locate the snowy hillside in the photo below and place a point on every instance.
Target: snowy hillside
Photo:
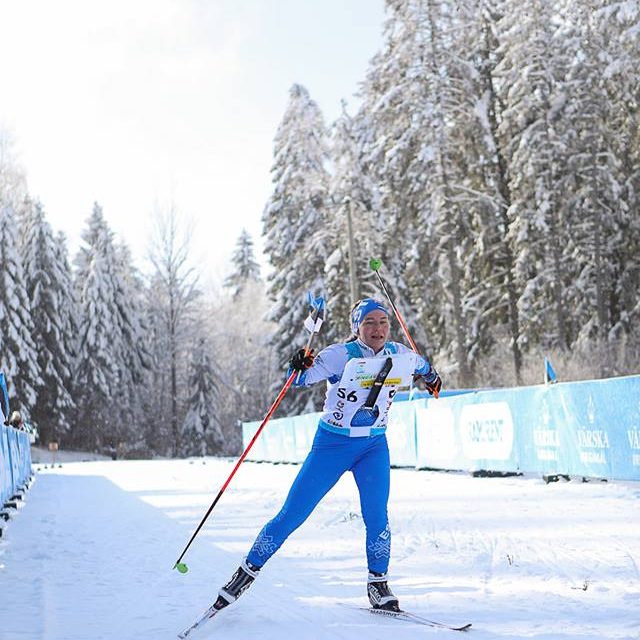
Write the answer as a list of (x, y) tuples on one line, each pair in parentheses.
[(90, 555)]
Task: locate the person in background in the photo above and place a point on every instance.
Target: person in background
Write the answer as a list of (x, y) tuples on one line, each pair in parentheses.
[(16, 421), (344, 443)]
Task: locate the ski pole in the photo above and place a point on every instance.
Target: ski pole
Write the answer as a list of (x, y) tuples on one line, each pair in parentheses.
[(375, 264), (314, 321)]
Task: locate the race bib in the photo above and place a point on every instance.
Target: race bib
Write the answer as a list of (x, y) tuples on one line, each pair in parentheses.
[(349, 395)]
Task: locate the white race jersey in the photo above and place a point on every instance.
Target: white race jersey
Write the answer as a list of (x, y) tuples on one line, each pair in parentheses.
[(350, 369)]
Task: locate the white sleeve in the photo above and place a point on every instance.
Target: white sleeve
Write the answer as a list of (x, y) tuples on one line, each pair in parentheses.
[(330, 362), (423, 366)]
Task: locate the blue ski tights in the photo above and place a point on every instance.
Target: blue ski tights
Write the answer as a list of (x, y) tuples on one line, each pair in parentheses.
[(331, 456)]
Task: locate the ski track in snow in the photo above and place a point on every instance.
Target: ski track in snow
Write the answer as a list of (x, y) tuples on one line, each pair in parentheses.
[(90, 556)]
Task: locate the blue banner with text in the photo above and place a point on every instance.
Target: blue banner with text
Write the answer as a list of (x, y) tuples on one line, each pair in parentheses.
[(589, 428), (15, 461)]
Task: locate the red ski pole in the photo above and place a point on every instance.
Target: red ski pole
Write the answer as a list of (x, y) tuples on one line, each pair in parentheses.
[(318, 310), (375, 264)]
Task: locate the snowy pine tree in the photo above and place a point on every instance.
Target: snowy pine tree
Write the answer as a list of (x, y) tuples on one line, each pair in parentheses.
[(423, 148), (351, 226), (488, 190), (132, 350), (201, 429), (53, 314), (294, 228), (615, 27), (590, 189), (245, 267), (103, 412), (391, 138), (18, 356), (457, 220), (532, 75)]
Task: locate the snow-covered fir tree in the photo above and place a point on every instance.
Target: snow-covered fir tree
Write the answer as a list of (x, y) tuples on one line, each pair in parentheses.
[(500, 303), (591, 189), (532, 73), (18, 356), (615, 27), (99, 362), (245, 268), (53, 314), (201, 429), (132, 346), (457, 216), (69, 311), (294, 226), (423, 146), (391, 139), (351, 227)]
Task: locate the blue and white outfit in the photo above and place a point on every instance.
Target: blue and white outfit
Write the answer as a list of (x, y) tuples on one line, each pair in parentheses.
[(339, 447)]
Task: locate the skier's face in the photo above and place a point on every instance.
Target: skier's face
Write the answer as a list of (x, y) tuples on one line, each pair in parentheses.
[(374, 329)]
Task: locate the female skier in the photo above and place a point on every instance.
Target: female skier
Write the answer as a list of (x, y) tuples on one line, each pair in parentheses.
[(350, 437)]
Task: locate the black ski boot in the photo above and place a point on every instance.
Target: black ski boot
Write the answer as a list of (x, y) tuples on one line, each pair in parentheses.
[(380, 595), (241, 580)]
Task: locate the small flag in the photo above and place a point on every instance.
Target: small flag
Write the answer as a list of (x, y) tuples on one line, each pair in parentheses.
[(549, 374), (4, 397), (312, 324)]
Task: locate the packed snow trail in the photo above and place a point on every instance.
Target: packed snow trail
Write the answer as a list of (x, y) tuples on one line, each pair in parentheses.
[(90, 556)]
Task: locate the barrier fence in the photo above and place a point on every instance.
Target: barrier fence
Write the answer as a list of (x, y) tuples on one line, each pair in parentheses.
[(589, 428), (15, 461)]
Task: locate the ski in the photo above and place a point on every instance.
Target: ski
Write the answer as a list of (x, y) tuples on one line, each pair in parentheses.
[(407, 616), (201, 621), (412, 617)]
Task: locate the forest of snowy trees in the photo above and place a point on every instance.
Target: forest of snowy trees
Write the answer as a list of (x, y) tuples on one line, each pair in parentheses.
[(492, 163), (100, 358)]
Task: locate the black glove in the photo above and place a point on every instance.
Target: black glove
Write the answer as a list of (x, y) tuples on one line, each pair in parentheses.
[(301, 360), (432, 382)]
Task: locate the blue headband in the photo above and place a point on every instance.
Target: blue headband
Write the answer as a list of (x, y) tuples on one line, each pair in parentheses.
[(363, 308)]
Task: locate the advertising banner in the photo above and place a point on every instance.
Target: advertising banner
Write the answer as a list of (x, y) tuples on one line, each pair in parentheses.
[(6, 484), (15, 461), (589, 428)]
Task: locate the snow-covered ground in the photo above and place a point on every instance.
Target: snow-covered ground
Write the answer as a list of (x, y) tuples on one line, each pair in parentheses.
[(90, 556)]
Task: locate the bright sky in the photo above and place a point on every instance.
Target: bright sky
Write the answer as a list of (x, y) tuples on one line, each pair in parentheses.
[(138, 104)]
